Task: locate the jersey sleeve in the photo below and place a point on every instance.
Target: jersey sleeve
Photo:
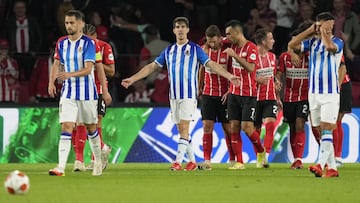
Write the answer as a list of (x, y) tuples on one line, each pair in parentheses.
[(252, 56), (160, 60), (89, 51), (202, 56), (108, 56), (305, 45), (339, 44), (57, 52)]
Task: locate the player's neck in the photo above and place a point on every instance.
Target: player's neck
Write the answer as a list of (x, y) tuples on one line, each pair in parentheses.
[(262, 51), (242, 41), (182, 41), (75, 37)]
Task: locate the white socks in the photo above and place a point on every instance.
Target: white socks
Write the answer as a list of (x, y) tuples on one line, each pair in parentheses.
[(64, 149), (182, 148), (190, 152), (326, 151), (95, 145)]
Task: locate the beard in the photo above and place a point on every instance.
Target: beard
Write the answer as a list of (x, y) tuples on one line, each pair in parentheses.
[(71, 32)]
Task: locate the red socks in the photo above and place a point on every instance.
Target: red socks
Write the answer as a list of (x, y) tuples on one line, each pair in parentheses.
[(80, 140), (236, 144), (299, 144), (207, 145), (269, 136), (255, 139), (229, 147), (338, 138)]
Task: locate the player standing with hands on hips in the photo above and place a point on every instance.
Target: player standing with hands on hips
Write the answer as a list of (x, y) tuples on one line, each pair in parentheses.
[(325, 52), (182, 60)]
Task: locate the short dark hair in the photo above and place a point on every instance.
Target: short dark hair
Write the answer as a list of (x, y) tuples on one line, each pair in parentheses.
[(78, 14), (212, 31), (181, 19), (324, 16), (234, 24), (261, 34), (89, 29)]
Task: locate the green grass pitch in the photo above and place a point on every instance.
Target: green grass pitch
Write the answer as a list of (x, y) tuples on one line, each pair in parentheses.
[(130, 182)]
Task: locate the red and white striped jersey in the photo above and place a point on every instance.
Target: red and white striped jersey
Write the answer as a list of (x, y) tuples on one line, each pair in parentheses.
[(247, 79), (9, 74), (266, 67), (214, 84), (296, 88), (104, 55)]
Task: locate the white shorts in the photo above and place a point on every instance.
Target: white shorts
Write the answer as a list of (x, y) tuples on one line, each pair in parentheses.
[(80, 111), (182, 109), (324, 108)]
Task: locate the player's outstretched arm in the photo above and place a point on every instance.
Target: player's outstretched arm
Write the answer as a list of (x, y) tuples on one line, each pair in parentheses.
[(145, 71), (221, 71)]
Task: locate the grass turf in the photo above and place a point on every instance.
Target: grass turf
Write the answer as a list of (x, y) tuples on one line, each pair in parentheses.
[(156, 183)]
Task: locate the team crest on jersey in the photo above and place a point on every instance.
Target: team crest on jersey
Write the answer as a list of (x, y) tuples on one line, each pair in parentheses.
[(222, 60), (253, 56), (272, 63), (187, 52), (111, 57), (79, 49)]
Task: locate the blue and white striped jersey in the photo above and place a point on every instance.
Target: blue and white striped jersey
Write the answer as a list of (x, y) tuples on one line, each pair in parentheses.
[(72, 56), (183, 62), (323, 65)]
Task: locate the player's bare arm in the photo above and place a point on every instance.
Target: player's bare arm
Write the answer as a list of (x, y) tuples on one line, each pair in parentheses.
[(221, 71), (326, 35), (201, 79), (102, 79), (262, 80), (250, 67), (342, 72), (295, 42), (109, 70), (142, 73), (85, 71), (53, 72)]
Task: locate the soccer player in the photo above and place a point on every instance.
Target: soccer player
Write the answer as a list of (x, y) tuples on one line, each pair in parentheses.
[(213, 88), (242, 99), (267, 100), (105, 60), (296, 105), (182, 59), (73, 64), (325, 52)]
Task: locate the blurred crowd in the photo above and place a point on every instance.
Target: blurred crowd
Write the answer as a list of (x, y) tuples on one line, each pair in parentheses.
[(138, 30)]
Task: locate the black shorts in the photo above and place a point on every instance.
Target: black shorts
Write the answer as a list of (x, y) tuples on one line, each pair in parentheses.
[(101, 106), (241, 108), (213, 109), (293, 110), (265, 109), (345, 98)]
